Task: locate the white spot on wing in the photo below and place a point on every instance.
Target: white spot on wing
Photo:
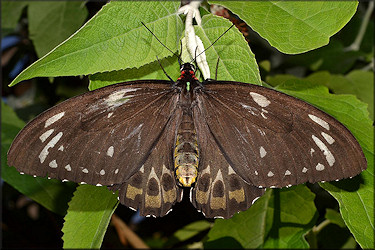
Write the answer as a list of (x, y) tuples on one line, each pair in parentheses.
[(288, 172), (43, 154), (319, 121), (319, 167), (260, 100), (270, 174), (102, 172), (255, 199), (61, 148), (132, 208), (117, 98), (262, 152), (250, 108), (116, 171), (54, 119), (110, 151), (312, 151), (230, 170), (328, 138), (53, 164), (329, 157), (46, 134), (68, 168), (261, 132), (304, 170), (85, 170), (262, 113), (109, 115)]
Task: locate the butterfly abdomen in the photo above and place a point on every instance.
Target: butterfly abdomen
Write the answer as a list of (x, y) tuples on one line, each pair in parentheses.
[(186, 153)]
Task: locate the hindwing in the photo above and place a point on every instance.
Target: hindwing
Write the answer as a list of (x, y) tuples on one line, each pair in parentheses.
[(153, 189), (101, 137), (271, 139), (219, 190)]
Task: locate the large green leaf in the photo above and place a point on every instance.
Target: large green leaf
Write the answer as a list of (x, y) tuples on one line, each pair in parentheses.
[(294, 26), (87, 219), (357, 82), (50, 23), (237, 62), (113, 39), (52, 194), (278, 219)]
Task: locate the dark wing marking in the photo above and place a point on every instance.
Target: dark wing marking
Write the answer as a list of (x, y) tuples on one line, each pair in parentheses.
[(219, 190), (275, 140), (101, 137)]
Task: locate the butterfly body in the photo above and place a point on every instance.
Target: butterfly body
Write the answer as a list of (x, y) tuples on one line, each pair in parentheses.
[(150, 139), (186, 151)]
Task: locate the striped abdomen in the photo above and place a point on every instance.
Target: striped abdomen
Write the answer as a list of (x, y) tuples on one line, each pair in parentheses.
[(186, 154)]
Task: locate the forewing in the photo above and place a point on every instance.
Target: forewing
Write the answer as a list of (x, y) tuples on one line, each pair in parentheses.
[(219, 190), (101, 137), (275, 140), (152, 189)]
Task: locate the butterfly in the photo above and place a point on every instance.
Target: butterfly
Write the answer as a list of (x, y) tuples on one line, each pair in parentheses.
[(152, 139)]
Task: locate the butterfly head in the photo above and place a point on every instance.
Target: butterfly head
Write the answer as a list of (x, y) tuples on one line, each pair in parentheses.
[(187, 73)]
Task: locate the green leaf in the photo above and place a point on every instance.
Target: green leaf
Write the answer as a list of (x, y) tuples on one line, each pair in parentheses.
[(50, 23), (294, 26), (11, 12), (188, 232), (332, 57), (355, 196), (237, 62), (52, 194), (278, 219), (244, 230), (114, 39), (357, 82), (87, 219), (148, 71), (334, 217)]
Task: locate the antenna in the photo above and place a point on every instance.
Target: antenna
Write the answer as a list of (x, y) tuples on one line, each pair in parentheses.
[(174, 53), (212, 43)]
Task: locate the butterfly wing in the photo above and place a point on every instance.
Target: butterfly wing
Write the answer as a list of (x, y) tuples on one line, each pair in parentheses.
[(219, 190), (152, 189), (101, 137), (274, 140)]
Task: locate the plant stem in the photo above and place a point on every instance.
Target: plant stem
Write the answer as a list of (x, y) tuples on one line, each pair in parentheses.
[(358, 40)]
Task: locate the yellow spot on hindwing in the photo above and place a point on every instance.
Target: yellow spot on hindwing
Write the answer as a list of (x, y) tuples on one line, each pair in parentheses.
[(218, 202), (238, 195), (132, 192), (169, 196), (153, 201), (201, 197)]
